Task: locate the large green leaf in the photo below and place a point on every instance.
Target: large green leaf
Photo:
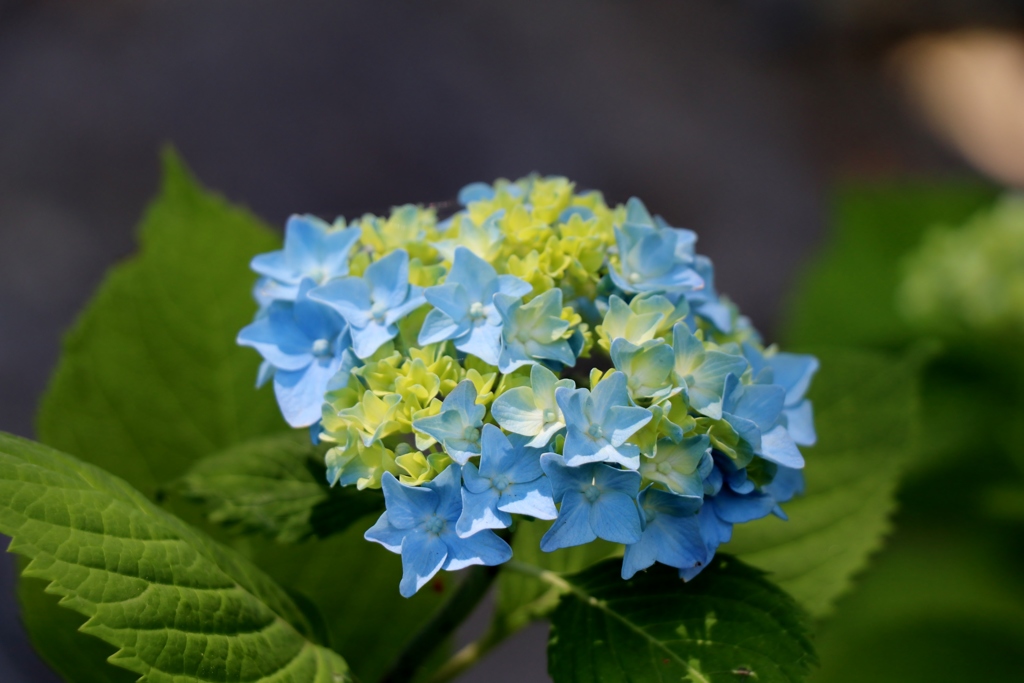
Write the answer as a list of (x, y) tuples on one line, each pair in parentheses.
[(728, 624), (55, 633), (150, 377), (847, 297), (178, 606), (865, 413), (275, 485)]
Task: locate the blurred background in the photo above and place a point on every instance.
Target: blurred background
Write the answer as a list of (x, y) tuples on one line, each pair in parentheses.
[(736, 118)]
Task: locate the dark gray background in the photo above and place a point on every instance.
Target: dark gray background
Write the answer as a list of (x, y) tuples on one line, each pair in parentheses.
[(731, 118)]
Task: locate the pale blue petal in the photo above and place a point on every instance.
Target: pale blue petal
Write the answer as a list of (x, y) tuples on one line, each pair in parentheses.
[(570, 402), (349, 296), (475, 192), (517, 412), (800, 423), (496, 453), (621, 422), (561, 477), (423, 555), (479, 512), (483, 548), (414, 300), (610, 391), (407, 506), (387, 535), (513, 286), (615, 480), (388, 278), (367, 340), (482, 341), (614, 517), (477, 276), (451, 298), (448, 487), (473, 481), (300, 393), (439, 327), (445, 425), (572, 527), (793, 372), (761, 404), (278, 339), (778, 447), (532, 498)]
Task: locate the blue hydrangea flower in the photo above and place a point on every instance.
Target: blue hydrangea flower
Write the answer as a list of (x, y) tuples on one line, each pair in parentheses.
[(653, 258), (307, 344), (671, 533), (533, 411), (703, 373), (793, 372), (755, 412), (312, 250), (510, 480), (533, 331), (419, 523), (599, 422), (597, 501), (373, 303), (725, 506), (475, 192), (647, 367), (705, 302), (681, 466), (457, 426), (464, 309)]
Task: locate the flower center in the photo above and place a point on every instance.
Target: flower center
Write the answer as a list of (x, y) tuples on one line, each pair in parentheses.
[(471, 434), (634, 278), (378, 311), (500, 482), (664, 467), (321, 348), (591, 493), (434, 525), (595, 431), (477, 312), (549, 415)]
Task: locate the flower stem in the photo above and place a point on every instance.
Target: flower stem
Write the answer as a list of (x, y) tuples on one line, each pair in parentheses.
[(454, 611)]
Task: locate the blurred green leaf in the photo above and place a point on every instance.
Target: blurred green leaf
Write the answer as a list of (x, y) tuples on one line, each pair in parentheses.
[(177, 605), (275, 486), (355, 585), (728, 624), (865, 412), (847, 296), (936, 607), (523, 598), (150, 378)]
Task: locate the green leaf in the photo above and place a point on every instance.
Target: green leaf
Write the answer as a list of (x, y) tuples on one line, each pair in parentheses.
[(523, 598), (178, 606), (355, 585), (54, 631), (847, 296), (728, 624), (150, 377), (275, 486), (865, 413)]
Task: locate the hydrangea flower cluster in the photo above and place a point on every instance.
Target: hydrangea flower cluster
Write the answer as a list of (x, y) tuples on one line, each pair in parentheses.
[(537, 354), (970, 279)]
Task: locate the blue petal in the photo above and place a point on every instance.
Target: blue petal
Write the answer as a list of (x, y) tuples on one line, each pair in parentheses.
[(562, 478), (761, 404), (621, 422), (614, 517), (448, 487), (482, 341), (800, 423), (388, 278), (407, 506), (483, 547), (387, 535), (438, 327), (473, 481), (609, 478), (513, 286), (349, 296), (496, 453), (778, 447), (423, 555), (479, 512), (367, 340), (451, 298), (477, 276), (532, 498), (572, 526), (300, 393), (278, 339), (475, 192), (793, 372)]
